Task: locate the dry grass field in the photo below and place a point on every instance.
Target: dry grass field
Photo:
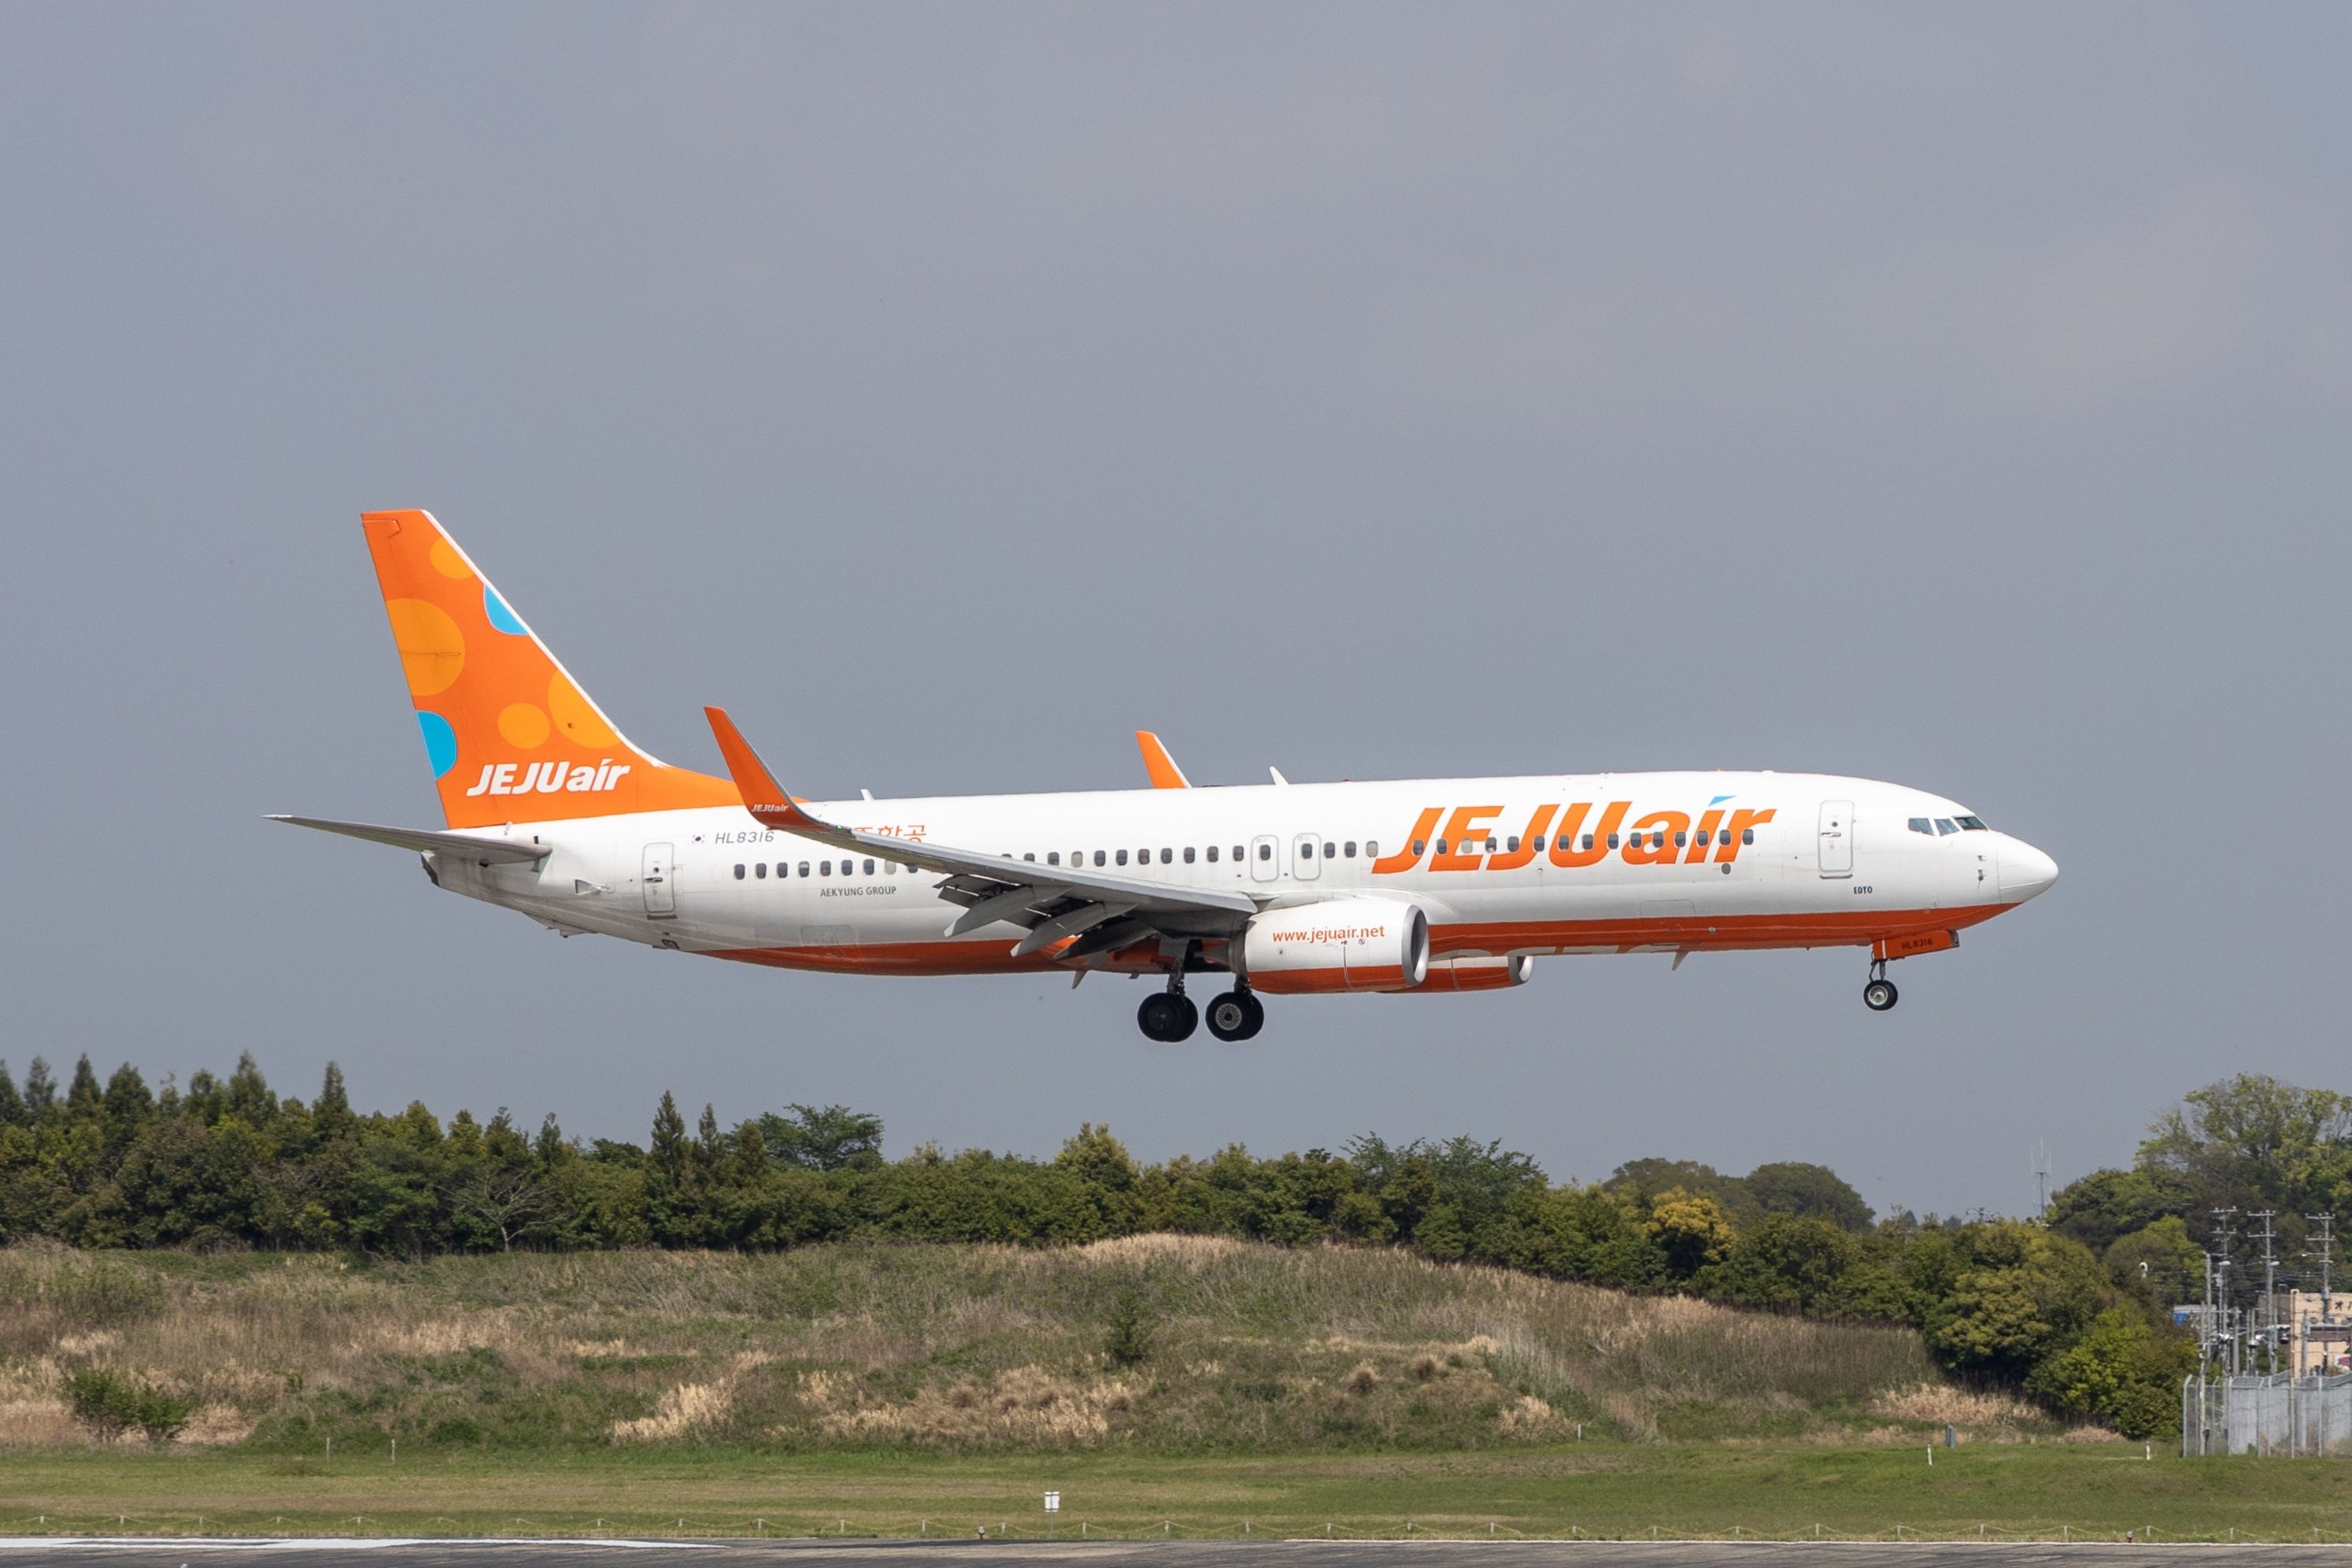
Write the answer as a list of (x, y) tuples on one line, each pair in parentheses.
[(959, 1349)]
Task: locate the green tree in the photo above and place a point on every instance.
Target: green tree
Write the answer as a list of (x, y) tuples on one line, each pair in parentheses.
[(2120, 1372), (1794, 1188), (1690, 1228), (832, 1138)]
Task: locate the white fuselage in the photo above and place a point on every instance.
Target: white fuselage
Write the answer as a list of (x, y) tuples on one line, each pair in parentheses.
[(1788, 860)]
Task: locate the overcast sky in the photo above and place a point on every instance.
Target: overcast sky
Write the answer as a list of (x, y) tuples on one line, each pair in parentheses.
[(1956, 396)]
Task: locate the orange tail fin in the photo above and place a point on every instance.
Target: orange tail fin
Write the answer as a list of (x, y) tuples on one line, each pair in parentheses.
[(510, 735)]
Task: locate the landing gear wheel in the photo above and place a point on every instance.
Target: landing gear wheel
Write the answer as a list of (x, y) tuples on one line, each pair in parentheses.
[(1879, 995), (1167, 1015), (1235, 1016), (1188, 1019)]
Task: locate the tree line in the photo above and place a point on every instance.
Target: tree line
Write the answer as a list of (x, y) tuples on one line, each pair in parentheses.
[(2059, 1311)]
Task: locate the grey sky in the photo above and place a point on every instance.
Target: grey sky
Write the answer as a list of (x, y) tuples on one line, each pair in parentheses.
[(1953, 396)]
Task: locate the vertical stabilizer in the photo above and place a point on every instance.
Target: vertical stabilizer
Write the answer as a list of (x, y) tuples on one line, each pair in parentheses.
[(509, 734)]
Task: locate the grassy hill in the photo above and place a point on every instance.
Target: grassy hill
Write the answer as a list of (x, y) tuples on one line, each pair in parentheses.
[(1248, 1348)]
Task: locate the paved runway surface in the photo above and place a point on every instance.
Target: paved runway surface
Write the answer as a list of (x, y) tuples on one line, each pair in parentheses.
[(1144, 1554)]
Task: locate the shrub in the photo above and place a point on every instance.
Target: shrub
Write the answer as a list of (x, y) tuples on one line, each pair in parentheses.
[(103, 1401), (1129, 1328)]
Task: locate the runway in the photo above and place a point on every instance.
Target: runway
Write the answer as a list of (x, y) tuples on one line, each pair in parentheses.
[(395, 1554)]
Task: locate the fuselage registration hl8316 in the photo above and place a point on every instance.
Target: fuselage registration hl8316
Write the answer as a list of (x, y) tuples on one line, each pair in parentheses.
[(1412, 885)]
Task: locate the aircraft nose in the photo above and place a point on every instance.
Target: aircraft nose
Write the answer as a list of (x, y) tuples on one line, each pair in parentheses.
[(2025, 871)]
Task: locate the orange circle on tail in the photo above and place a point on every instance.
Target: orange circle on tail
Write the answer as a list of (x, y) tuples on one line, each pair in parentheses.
[(431, 648), (524, 725), (447, 561)]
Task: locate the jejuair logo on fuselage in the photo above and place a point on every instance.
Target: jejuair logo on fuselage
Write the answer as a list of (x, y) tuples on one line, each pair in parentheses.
[(549, 778), (1467, 840)]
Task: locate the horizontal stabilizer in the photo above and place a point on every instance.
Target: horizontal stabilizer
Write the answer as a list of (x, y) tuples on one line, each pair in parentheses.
[(426, 841)]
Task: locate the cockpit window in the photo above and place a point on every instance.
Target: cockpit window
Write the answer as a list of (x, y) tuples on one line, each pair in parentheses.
[(1920, 825), (1972, 824), (1946, 824)]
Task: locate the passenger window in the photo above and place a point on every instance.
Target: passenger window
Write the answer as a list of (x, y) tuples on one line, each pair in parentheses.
[(1099, 856), (1747, 836), (1122, 856), (1658, 839), (1512, 842), (1920, 824), (1213, 854), (803, 868), (1723, 836), (1588, 841), (1441, 847), (870, 868), (1372, 849), (1265, 851), (1350, 849), (738, 871), (1613, 841), (1237, 853), (760, 870), (1053, 857), (1679, 839), (1143, 856), (1031, 859), (1167, 856), (1535, 844), (1307, 850), (1946, 824), (825, 868), (1188, 855), (1418, 846), (1490, 844)]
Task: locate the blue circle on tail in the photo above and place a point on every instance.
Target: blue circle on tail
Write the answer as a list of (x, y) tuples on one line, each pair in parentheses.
[(501, 617), (440, 741)]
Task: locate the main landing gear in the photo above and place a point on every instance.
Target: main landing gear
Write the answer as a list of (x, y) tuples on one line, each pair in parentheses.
[(1880, 993), (1170, 1015), (1237, 1015)]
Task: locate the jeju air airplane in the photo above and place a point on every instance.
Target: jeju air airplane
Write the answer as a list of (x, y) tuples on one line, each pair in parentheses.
[(1410, 886)]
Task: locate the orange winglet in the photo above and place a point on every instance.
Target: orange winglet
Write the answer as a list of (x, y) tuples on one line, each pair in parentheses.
[(763, 797), (1165, 773)]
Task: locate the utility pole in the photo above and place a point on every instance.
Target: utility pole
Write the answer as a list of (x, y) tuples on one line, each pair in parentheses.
[(2270, 1289), (2324, 1248), (2225, 1335)]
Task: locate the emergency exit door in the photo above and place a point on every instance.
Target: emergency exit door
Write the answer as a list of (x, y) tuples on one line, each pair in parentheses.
[(660, 881), (1837, 838)]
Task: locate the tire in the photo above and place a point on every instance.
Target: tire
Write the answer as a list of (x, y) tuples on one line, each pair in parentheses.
[(1188, 1019), (1229, 1017), (1879, 995), (1256, 1015), (1158, 1017)]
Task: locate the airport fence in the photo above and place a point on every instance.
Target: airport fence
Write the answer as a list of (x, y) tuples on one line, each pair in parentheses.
[(2288, 1416)]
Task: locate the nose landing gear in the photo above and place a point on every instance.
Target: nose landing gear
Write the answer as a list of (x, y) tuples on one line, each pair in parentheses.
[(1880, 995)]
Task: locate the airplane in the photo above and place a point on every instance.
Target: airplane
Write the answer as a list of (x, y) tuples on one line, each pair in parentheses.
[(1408, 887)]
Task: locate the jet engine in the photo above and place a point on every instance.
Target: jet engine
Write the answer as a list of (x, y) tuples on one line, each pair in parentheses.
[(1339, 944)]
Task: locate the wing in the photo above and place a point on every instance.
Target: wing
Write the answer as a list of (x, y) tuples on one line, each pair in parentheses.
[(427, 841), (1091, 911)]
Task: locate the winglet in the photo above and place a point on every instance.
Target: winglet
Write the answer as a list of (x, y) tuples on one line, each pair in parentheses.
[(763, 797), (1165, 773)]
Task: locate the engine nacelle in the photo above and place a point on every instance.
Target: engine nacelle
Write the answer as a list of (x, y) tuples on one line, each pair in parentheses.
[(1340, 944), (1476, 974)]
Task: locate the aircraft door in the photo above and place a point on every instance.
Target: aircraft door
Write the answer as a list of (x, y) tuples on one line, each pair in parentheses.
[(660, 881), (1837, 838), (1307, 856), (1264, 863)]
